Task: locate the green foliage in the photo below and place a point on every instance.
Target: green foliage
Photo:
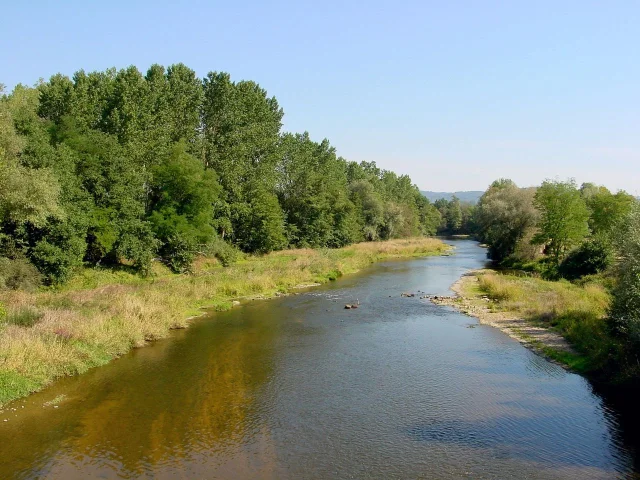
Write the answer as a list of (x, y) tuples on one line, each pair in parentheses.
[(260, 223), (18, 274), (26, 195), (607, 210), (113, 168), (428, 215), (181, 200), (625, 308), (227, 254), (241, 135), (454, 215), (369, 204), (515, 223), (54, 261), (505, 216), (313, 192), (591, 257), (23, 317), (563, 217)]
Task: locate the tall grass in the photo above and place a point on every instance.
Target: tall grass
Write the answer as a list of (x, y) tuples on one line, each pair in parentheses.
[(101, 314), (577, 311)]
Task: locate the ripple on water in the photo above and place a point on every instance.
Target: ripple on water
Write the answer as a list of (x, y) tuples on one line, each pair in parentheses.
[(299, 388)]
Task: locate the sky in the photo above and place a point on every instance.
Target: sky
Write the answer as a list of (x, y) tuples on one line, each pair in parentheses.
[(453, 93)]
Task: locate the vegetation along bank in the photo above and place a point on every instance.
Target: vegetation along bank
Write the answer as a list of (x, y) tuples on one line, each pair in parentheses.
[(115, 183), (102, 314), (566, 274)]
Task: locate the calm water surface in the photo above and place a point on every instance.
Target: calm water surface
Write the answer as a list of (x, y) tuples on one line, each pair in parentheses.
[(299, 388)]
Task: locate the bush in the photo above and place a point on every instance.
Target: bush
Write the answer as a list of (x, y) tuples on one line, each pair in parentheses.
[(590, 258), (54, 262), (227, 254), (178, 253), (18, 274), (23, 317), (625, 308)]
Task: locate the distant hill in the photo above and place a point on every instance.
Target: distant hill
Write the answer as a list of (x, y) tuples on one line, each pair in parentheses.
[(471, 196)]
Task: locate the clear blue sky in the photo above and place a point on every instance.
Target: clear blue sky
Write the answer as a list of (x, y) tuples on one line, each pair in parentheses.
[(453, 93)]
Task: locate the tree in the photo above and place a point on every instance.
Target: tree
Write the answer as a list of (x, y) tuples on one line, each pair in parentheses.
[(563, 217), (591, 257), (624, 314), (454, 215), (369, 208), (183, 194), (241, 136), (312, 189), (505, 214), (607, 210), (115, 167)]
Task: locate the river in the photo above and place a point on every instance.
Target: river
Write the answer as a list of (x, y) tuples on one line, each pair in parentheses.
[(300, 388)]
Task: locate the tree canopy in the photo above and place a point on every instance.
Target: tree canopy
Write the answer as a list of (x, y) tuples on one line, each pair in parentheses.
[(120, 167)]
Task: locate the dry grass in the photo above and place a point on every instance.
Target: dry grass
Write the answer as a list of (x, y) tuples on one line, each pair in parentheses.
[(102, 314), (576, 311)]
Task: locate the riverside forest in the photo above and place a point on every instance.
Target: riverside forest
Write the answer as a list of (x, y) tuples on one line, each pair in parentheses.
[(131, 201), (116, 177)]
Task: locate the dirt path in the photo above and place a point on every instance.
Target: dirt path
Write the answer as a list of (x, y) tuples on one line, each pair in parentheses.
[(470, 301)]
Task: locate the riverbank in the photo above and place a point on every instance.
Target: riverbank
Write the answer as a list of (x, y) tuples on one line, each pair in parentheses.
[(101, 314), (559, 320)]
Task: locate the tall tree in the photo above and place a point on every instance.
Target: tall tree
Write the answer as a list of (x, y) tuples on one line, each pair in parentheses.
[(563, 217), (241, 133), (505, 215), (312, 188), (606, 210)]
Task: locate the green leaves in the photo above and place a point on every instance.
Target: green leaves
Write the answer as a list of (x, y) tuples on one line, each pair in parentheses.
[(563, 217), (625, 308), (181, 204), (506, 216), (118, 167)]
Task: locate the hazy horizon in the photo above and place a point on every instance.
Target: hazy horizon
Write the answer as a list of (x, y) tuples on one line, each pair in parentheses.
[(453, 95)]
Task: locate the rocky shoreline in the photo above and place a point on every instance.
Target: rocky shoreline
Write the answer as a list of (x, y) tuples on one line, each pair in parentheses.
[(470, 301)]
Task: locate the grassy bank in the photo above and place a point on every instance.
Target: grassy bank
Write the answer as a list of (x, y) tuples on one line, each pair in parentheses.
[(575, 311), (102, 314)]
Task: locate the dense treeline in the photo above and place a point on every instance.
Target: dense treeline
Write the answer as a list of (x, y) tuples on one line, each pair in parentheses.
[(457, 218), (560, 231), (117, 167)]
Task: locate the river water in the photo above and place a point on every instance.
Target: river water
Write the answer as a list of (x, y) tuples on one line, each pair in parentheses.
[(300, 388)]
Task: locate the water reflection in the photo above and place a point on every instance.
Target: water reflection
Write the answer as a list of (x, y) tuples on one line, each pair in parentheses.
[(153, 409), (300, 388)]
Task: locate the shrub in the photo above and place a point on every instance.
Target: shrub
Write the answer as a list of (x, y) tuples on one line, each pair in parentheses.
[(593, 256), (227, 254), (625, 308), (56, 263), (179, 252), (23, 317), (18, 274)]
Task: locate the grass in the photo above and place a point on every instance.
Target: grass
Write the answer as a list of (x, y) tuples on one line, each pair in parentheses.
[(101, 314), (577, 311)]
